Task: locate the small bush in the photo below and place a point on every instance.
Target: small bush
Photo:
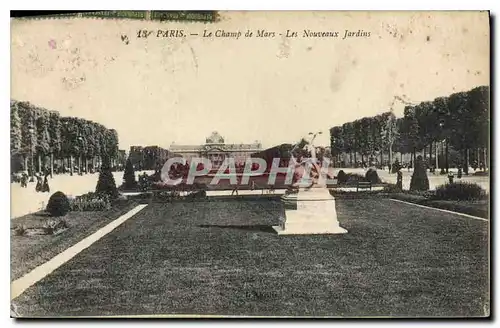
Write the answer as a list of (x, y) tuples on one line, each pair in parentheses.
[(391, 188), (353, 178), (460, 191), (429, 194), (341, 177), (372, 176), (19, 230), (481, 174), (58, 204), (54, 226), (91, 202)]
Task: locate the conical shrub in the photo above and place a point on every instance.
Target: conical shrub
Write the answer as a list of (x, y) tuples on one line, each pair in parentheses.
[(106, 183), (129, 181), (419, 179)]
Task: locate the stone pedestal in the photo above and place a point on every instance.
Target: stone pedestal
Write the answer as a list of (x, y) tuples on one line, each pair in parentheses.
[(309, 212)]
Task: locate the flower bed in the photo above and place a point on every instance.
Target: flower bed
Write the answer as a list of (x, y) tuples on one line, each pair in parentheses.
[(90, 202)]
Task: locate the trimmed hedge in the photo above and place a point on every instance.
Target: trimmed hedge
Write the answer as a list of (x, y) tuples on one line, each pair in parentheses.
[(341, 177), (58, 204), (460, 191), (372, 176)]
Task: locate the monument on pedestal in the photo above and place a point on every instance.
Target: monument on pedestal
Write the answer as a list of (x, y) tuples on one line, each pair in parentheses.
[(309, 206)]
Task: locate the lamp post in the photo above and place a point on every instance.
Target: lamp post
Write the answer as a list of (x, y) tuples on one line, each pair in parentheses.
[(31, 131)]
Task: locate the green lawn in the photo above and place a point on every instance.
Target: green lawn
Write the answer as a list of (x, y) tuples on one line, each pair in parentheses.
[(222, 257), (28, 252)]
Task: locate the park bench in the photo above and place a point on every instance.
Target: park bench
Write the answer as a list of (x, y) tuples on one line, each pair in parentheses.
[(363, 185)]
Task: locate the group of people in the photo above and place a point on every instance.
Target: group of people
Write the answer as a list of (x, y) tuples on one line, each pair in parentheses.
[(41, 185)]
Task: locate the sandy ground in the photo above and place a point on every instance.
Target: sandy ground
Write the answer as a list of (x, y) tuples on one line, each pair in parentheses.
[(27, 200), (434, 180)]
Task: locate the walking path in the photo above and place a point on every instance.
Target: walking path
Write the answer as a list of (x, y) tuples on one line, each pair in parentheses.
[(434, 180), (27, 200)]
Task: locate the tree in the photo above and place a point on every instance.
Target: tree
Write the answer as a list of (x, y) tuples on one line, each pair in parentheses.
[(411, 129), (129, 181), (336, 141), (106, 183), (390, 132), (458, 126), (479, 126), (15, 129), (348, 139), (55, 137), (43, 136)]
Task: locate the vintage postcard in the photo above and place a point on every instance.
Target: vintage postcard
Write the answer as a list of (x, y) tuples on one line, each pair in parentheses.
[(250, 164)]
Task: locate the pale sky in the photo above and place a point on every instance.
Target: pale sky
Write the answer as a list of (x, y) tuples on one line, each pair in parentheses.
[(156, 91)]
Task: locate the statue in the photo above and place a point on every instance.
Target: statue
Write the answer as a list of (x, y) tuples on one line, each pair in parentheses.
[(307, 170), (309, 206)]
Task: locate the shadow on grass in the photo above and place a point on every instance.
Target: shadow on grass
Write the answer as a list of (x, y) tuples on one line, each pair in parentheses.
[(42, 214), (257, 227)]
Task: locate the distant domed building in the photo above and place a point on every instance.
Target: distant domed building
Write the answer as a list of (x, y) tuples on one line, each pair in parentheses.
[(217, 150)]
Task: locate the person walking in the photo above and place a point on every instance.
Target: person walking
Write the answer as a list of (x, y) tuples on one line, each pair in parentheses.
[(38, 186), (24, 180), (45, 186), (399, 182)]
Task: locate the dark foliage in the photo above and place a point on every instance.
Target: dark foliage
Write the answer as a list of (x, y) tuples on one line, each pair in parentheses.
[(91, 202), (341, 177), (372, 176), (460, 191), (419, 179), (391, 188), (106, 183), (58, 204), (129, 181)]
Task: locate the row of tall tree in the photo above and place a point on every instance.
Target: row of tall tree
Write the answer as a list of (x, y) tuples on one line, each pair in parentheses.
[(460, 121), (40, 137)]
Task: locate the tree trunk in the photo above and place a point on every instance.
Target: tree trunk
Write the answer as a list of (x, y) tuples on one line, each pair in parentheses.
[(425, 154), (437, 155), (430, 154), (466, 171), (381, 158), (25, 166), (355, 160), (485, 151), (71, 164), (390, 157), (51, 165), (446, 155), (350, 158), (39, 159)]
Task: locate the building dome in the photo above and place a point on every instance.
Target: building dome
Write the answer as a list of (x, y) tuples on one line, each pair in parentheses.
[(215, 138)]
